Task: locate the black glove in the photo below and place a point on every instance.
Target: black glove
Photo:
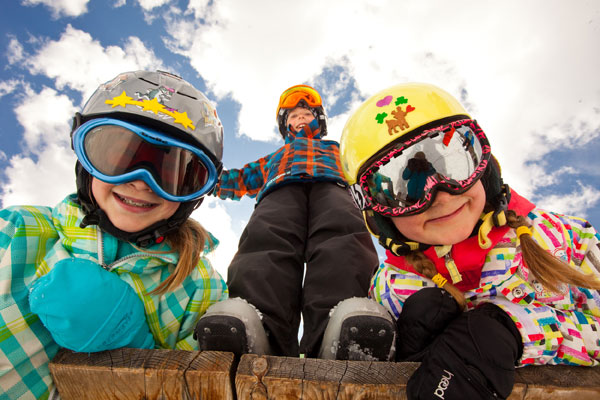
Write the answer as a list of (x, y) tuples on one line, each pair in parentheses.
[(474, 358), (424, 316)]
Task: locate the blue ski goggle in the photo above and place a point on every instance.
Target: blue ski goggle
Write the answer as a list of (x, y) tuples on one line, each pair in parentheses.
[(118, 152)]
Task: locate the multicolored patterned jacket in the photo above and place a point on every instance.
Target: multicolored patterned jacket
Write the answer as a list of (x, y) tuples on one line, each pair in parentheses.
[(557, 328), (304, 157), (34, 239)]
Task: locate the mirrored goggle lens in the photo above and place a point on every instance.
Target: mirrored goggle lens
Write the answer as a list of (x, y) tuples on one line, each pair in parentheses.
[(114, 150), (291, 97), (403, 180)]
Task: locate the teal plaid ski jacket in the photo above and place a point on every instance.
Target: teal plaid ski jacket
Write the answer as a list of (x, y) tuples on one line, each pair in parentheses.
[(33, 239)]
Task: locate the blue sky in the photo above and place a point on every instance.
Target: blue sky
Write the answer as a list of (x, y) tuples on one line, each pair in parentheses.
[(528, 71)]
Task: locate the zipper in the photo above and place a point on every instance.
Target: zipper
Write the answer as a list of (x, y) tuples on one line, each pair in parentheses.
[(101, 249), (455, 275), (120, 261)]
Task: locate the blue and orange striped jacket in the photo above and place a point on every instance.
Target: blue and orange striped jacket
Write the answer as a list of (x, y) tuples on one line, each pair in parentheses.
[(303, 157)]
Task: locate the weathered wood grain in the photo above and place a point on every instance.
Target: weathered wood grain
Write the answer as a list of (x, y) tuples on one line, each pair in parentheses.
[(556, 382), (143, 374), (307, 378), (173, 374)]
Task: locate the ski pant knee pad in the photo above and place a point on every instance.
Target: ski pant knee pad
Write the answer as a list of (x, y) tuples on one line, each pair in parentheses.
[(359, 329), (473, 358), (232, 325)]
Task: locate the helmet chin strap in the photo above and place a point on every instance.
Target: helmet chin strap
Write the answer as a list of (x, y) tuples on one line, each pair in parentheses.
[(494, 218), (155, 233)]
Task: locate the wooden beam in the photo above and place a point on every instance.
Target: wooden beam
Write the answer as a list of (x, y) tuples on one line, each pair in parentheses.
[(308, 378), (556, 382), (176, 374), (143, 374), (299, 378)]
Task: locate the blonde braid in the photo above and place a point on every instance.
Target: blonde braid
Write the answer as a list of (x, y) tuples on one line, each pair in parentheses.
[(549, 270), (189, 241), (427, 268)]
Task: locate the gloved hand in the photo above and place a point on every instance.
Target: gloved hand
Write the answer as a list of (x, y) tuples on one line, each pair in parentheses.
[(87, 309), (425, 314), (474, 358)]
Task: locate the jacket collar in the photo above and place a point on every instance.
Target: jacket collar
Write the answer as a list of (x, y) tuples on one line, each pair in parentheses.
[(311, 131), (92, 242)]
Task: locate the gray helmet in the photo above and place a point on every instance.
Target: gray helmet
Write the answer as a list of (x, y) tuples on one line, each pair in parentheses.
[(166, 103), (162, 101)]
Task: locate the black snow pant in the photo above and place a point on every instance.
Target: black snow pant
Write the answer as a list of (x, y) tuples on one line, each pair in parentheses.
[(313, 223)]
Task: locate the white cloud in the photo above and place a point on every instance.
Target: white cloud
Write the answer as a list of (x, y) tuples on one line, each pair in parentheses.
[(214, 217), (37, 176), (45, 116), (78, 61), (44, 181), (69, 8), (15, 52), (9, 86), (198, 8), (576, 203), (526, 70), (148, 5)]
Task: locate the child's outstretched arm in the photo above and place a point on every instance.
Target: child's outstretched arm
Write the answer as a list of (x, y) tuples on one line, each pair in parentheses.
[(235, 183), (87, 309)]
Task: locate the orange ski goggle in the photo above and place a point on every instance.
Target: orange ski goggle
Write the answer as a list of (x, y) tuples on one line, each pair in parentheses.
[(291, 97)]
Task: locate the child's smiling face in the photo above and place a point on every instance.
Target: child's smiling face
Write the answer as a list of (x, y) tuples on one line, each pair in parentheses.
[(449, 220), (299, 117), (131, 206)]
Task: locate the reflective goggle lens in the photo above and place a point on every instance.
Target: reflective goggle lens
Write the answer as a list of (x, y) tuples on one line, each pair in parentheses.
[(404, 180), (119, 152), (291, 97)]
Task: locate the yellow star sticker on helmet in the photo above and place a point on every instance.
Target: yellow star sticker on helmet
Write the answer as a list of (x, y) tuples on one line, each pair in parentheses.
[(152, 105), (183, 119), (121, 100)]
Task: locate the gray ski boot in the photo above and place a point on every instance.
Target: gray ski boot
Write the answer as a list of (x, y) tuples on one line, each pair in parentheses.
[(359, 329), (232, 325)]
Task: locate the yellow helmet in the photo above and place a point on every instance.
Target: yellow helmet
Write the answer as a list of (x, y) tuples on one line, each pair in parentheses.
[(389, 115), (402, 113)]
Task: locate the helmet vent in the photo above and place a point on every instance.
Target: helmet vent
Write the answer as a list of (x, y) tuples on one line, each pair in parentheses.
[(150, 82), (187, 95), (178, 92)]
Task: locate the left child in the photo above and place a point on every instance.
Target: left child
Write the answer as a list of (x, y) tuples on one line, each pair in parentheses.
[(119, 263)]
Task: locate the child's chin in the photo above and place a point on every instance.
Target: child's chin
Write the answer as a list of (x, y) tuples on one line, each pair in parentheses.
[(130, 227)]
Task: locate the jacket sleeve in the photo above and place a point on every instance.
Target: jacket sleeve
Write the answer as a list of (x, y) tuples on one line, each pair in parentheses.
[(210, 288), (235, 183), (391, 287), (26, 347), (565, 328)]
